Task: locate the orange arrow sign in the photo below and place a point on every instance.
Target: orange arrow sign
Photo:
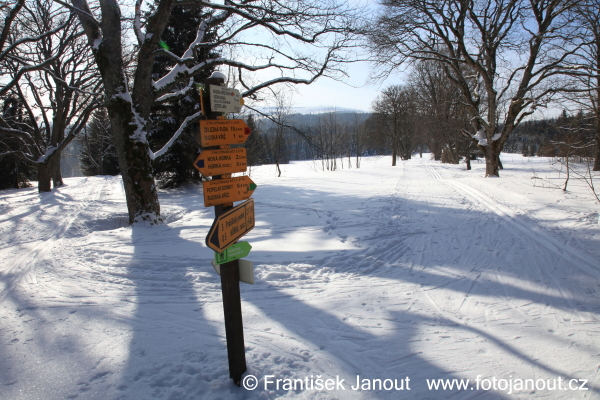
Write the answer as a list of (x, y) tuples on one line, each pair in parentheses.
[(231, 226), (223, 131), (219, 162), (221, 191)]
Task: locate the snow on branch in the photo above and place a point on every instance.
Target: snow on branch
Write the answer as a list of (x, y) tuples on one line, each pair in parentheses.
[(180, 70), (176, 94), (166, 147)]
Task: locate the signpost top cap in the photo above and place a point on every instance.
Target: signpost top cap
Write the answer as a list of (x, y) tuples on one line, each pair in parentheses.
[(218, 75)]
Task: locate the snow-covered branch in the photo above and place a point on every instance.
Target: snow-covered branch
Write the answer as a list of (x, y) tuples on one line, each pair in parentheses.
[(192, 118)]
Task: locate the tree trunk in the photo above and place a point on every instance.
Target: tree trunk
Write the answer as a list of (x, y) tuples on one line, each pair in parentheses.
[(55, 171), (597, 160), (492, 159), (394, 156), (44, 177), (135, 163), (128, 110)]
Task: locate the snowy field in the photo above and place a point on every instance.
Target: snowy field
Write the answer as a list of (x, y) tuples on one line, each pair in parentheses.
[(405, 275)]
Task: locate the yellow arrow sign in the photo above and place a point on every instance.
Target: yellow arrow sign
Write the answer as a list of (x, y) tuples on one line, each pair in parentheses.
[(219, 162), (231, 226), (221, 191), (223, 131)]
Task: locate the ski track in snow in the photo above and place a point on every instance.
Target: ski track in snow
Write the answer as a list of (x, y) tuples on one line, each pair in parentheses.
[(22, 264), (382, 272)]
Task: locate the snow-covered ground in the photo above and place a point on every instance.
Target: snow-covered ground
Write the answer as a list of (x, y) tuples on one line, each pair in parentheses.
[(408, 273)]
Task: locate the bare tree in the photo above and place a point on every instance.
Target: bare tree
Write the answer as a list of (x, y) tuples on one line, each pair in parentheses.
[(394, 110), (441, 111), (281, 118), (58, 97), (584, 69), (501, 54), (274, 33)]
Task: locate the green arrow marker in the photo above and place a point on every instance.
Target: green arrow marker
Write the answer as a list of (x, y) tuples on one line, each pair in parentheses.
[(164, 45), (234, 252)]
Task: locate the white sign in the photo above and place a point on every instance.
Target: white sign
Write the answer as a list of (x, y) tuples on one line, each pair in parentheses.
[(225, 100), (246, 270)]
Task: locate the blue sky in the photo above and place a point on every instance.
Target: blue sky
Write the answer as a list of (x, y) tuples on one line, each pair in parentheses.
[(356, 94)]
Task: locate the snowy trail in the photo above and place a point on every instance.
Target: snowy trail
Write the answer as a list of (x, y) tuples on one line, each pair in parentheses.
[(25, 256), (420, 271), (586, 262)]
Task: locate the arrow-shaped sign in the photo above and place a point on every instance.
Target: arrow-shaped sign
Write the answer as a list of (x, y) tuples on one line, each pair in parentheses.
[(221, 191), (219, 162), (230, 226), (234, 252), (223, 131)]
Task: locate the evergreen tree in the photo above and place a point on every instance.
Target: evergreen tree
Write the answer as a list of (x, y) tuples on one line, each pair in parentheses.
[(98, 155), (257, 149), (15, 172), (176, 167)]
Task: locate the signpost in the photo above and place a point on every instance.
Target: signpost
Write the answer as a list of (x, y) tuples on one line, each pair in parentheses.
[(222, 191), (231, 226), (220, 162), (224, 99), (231, 223), (223, 131)]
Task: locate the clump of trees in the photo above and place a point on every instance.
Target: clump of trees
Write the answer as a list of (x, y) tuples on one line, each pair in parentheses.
[(98, 155), (49, 83), (504, 57)]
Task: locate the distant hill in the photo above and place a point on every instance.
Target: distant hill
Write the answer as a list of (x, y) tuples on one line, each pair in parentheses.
[(315, 110), (298, 117)]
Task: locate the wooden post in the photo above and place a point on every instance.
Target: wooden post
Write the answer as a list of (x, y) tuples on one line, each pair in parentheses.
[(234, 329), (230, 282)]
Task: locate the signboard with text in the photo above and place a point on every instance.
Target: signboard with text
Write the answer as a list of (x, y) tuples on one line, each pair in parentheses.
[(222, 191), (225, 100), (223, 131), (220, 162), (231, 226)]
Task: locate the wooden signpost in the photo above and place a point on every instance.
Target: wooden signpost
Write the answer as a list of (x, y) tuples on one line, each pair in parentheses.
[(220, 162), (221, 191), (231, 223), (230, 226), (223, 131)]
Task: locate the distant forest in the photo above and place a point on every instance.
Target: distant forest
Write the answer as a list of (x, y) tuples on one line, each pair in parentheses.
[(339, 139)]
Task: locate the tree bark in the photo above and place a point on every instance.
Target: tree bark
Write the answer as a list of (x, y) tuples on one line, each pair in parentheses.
[(44, 177), (135, 163), (597, 160), (55, 171), (492, 159)]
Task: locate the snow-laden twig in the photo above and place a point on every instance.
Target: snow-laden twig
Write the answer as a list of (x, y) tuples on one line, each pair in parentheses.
[(166, 147), (179, 69), (178, 93)]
